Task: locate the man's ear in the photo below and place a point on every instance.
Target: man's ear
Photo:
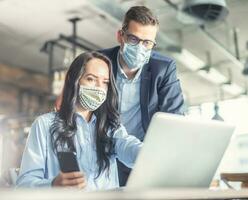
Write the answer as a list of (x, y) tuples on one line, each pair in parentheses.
[(119, 36)]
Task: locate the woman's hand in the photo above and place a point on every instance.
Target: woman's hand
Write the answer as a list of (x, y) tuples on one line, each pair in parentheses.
[(71, 179)]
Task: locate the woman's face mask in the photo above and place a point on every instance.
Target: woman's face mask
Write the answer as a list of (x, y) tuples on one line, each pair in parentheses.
[(91, 97)]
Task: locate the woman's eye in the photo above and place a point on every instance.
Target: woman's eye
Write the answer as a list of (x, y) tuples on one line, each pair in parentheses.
[(90, 79)]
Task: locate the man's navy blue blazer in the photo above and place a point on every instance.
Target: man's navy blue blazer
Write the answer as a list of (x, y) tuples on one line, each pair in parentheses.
[(160, 89)]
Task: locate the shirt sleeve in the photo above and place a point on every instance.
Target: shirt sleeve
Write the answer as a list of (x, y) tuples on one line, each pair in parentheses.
[(33, 165), (127, 146)]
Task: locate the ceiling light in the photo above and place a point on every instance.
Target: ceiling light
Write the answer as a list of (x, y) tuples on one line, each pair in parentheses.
[(189, 60), (213, 76), (233, 89), (216, 111), (206, 10)]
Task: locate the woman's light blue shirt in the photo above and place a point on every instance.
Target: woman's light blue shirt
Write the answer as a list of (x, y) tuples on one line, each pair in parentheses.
[(40, 165)]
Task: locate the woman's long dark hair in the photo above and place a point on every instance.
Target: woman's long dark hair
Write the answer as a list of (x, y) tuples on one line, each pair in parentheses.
[(64, 126)]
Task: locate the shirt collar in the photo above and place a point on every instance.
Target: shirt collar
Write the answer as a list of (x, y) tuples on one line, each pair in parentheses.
[(92, 119)]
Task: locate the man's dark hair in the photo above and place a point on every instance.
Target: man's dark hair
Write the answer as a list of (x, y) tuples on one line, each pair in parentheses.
[(140, 14)]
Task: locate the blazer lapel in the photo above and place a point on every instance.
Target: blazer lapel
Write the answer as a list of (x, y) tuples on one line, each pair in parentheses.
[(114, 61), (144, 94)]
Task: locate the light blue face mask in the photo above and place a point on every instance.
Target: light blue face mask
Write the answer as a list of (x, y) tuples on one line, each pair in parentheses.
[(135, 56)]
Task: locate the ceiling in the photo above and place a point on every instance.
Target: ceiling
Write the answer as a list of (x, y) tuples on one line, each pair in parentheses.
[(26, 25)]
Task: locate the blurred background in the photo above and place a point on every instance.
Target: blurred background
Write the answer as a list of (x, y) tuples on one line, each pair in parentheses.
[(39, 39)]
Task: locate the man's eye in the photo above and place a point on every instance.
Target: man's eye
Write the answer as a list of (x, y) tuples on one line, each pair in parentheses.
[(133, 39), (146, 43)]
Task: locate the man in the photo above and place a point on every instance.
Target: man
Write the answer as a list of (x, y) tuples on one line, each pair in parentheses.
[(146, 81)]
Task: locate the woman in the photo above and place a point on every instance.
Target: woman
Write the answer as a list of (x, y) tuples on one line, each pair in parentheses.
[(88, 124)]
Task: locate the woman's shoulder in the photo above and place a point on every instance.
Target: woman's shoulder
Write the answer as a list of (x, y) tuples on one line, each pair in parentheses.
[(45, 119), (46, 116)]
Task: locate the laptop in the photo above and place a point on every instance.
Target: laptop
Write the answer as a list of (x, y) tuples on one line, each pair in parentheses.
[(180, 151)]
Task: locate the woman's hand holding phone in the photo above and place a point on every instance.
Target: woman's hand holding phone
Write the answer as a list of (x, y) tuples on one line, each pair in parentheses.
[(70, 179)]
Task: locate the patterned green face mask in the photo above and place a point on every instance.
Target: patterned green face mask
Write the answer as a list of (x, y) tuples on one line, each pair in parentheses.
[(91, 98)]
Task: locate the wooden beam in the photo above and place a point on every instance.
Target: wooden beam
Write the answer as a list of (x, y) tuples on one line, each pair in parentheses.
[(24, 79), (20, 90)]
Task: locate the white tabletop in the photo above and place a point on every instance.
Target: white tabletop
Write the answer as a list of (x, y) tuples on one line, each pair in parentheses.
[(72, 194)]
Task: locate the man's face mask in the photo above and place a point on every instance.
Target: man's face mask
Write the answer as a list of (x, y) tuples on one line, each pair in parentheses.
[(135, 56), (91, 98)]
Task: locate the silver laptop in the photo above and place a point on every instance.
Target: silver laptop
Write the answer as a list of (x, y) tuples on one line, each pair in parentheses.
[(180, 151)]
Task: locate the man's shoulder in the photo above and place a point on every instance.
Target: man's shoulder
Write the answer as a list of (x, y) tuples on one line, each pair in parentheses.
[(45, 119), (110, 51), (161, 63), (156, 56)]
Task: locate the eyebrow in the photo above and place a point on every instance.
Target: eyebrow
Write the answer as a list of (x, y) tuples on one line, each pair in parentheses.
[(95, 76), (139, 37)]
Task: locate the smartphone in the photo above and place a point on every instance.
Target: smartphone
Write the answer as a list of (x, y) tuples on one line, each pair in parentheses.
[(68, 162)]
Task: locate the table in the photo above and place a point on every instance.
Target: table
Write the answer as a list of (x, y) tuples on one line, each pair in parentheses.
[(160, 193)]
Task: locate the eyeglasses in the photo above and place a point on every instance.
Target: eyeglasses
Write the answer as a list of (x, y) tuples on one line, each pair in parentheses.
[(134, 40)]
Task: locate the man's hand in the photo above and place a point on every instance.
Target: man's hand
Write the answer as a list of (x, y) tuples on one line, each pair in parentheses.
[(71, 179)]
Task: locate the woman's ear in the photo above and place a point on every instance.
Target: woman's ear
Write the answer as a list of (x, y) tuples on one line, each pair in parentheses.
[(58, 102)]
